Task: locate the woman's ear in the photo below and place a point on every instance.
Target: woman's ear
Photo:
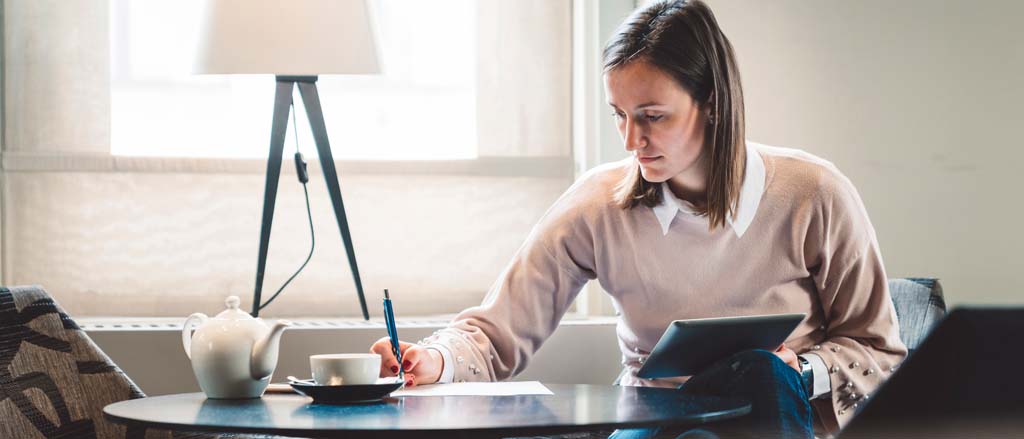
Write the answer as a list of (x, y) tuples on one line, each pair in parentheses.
[(709, 109)]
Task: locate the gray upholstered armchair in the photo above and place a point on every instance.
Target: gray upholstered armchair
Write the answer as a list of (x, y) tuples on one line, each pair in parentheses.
[(919, 307)]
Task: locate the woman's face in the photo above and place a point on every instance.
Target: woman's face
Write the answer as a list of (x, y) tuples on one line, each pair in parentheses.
[(660, 124)]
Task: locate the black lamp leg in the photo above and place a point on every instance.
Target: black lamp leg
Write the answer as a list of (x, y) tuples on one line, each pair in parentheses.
[(311, 100), (279, 126)]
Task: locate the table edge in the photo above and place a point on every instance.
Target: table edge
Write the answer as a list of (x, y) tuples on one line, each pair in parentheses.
[(517, 430)]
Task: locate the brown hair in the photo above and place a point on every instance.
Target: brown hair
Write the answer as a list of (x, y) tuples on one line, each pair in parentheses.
[(682, 39)]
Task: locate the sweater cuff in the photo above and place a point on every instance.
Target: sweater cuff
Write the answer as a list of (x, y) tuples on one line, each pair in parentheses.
[(822, 381), (448, 370)]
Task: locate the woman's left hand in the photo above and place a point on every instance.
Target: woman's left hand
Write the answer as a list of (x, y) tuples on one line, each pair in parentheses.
[(788, 356)]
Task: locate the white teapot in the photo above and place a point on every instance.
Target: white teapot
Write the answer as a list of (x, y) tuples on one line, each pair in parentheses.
[(233, 354)]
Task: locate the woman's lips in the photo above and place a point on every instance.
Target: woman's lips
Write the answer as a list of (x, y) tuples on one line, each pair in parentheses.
[(647, 159)]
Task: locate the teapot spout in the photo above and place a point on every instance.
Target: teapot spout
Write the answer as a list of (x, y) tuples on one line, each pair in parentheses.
[(264, 352)]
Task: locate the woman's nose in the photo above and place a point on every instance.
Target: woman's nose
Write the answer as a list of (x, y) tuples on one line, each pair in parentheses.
[(633, 137)]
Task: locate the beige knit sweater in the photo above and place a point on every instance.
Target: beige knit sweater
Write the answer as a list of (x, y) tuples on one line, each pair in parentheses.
[(800, 242)]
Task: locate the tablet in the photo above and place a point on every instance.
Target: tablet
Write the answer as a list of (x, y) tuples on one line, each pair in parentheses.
[(690, 346)]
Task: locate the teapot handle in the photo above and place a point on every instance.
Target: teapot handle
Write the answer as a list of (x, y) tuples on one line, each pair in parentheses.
[(186, 332)]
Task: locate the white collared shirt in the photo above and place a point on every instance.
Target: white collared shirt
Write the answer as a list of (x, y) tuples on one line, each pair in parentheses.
[(750, 197)]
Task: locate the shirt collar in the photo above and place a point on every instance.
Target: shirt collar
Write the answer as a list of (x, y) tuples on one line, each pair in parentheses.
[(750, 197)]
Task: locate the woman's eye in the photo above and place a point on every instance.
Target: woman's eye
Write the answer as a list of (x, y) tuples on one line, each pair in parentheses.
[(653, 117), (618, 115)]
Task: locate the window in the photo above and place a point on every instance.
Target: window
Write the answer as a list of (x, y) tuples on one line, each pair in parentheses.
[(150, 179), (423, 107)]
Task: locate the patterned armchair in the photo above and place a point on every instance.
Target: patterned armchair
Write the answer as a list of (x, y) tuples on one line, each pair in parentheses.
[(54, 381)]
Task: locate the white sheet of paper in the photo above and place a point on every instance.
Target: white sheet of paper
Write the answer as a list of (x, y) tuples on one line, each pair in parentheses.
[(476, 389)]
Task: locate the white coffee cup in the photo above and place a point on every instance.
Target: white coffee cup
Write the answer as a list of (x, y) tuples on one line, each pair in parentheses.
[(344, 369)]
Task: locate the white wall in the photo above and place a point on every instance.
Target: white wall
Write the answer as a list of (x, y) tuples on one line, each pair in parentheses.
[(919, 103)]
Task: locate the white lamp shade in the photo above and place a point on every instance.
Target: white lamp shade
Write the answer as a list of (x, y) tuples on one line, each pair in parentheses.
[(286, 37)]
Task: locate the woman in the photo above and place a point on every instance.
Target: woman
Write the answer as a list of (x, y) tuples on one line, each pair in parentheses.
[(697, 223)]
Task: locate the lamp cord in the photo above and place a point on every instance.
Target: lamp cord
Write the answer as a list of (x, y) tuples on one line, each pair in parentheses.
[(309, 214)]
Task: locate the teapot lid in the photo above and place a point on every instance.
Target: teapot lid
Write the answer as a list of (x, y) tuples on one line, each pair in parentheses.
[(233, 313)]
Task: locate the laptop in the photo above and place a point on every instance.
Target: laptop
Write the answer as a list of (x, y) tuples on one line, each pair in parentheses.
[(965, 380)]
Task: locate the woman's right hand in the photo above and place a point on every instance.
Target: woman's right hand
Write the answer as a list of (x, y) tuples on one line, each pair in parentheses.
[(422, 365)]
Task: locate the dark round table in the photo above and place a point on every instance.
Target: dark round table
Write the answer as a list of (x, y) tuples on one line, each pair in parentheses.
[(571, 408)]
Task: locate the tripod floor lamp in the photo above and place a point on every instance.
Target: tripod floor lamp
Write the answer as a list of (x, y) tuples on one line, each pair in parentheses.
[(296, 41)]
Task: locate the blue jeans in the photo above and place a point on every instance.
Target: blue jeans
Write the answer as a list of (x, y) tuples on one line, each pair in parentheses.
[(779, 403)]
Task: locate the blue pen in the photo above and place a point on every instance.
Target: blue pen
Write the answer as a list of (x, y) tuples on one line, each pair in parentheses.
[(389, 320)]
